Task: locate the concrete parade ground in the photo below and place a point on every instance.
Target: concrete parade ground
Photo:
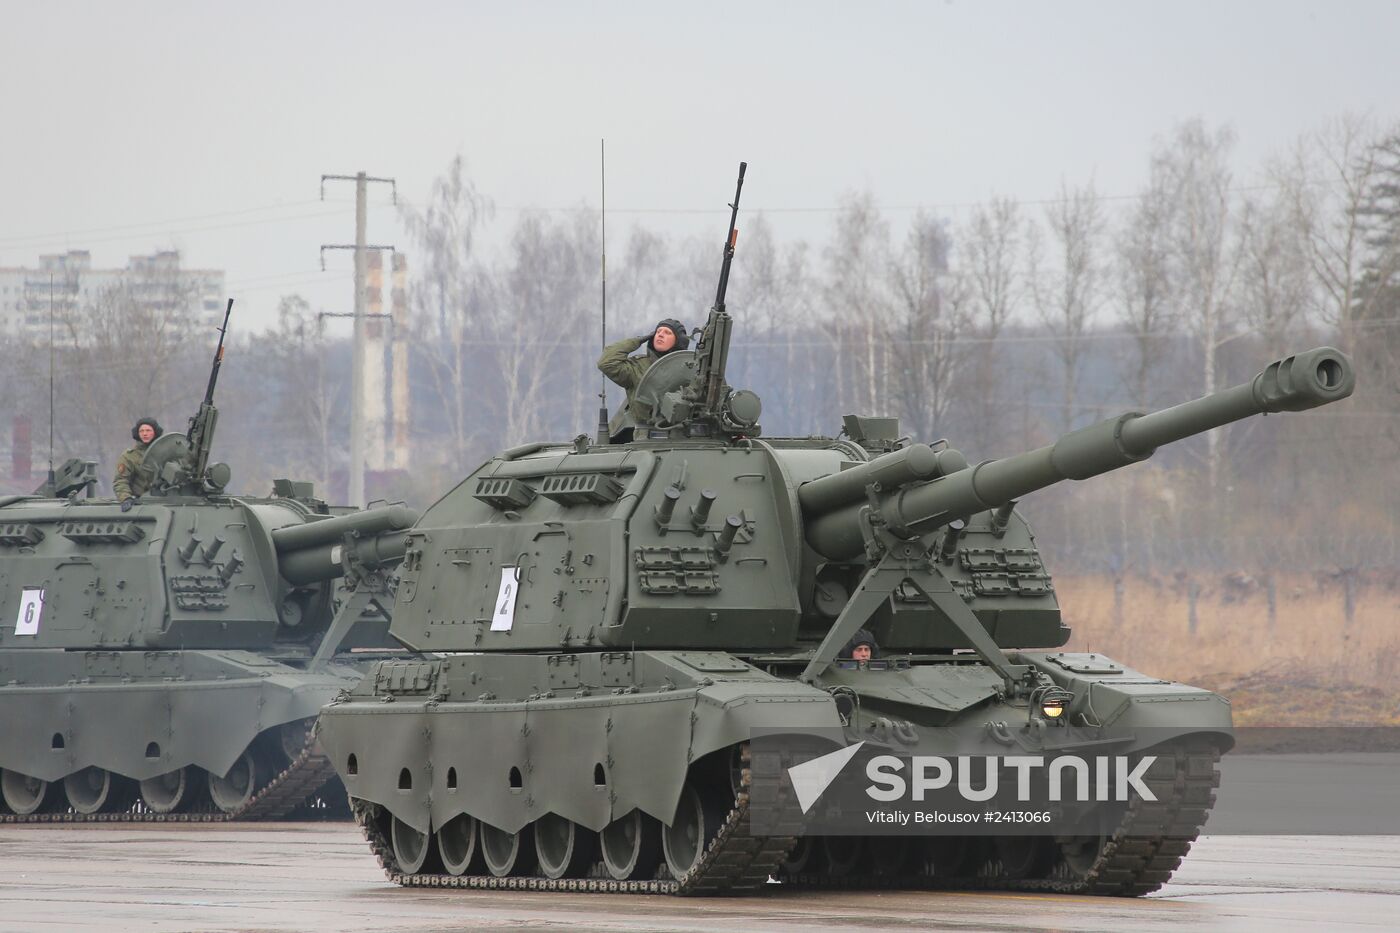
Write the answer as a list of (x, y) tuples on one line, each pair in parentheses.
[(321, 877)]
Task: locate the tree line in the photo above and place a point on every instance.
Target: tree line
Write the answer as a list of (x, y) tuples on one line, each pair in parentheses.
[(998, 329)]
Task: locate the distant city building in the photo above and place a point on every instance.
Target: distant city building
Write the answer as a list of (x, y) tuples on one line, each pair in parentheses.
[(68, 283)]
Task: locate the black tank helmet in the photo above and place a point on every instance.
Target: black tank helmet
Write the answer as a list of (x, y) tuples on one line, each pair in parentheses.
[(862, 637), (136, 428), (677, 328)]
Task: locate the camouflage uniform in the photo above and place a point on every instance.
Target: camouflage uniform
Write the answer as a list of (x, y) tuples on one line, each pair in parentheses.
[(132, 478), (626, 370)]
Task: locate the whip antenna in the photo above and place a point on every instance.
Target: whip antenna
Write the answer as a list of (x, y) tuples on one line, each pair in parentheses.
[(603, 437), (51, 474)]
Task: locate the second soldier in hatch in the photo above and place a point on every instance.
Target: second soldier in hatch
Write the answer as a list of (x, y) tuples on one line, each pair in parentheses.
[(626, 370), (133, 479)]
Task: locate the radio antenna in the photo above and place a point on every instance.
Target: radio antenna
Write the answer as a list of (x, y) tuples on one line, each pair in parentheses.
[(51, 393), (603, 434)]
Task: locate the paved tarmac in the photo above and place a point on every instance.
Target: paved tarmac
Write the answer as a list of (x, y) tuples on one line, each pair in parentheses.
[(320, 877)]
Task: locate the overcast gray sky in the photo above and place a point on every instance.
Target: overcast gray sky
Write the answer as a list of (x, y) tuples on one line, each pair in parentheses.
[(133, 126)]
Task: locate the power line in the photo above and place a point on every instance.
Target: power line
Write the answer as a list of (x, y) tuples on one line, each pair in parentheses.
[(116, 238)]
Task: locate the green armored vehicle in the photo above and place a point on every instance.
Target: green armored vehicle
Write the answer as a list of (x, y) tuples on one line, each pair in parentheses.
[(167, 660), (617, 624)]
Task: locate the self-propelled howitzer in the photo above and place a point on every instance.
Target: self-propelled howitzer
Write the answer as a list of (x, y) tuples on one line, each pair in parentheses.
[(166, 657), (615, 623)]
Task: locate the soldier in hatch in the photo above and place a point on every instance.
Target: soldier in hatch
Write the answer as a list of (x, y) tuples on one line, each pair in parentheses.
[(862, 647), (618, 365), (133, 479)]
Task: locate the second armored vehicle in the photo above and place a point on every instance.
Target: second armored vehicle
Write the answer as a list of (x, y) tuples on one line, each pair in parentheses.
[(168, 660)]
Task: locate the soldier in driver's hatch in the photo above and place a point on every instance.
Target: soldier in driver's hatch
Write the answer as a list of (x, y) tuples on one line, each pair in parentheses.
[(627, 371), (132, 478)]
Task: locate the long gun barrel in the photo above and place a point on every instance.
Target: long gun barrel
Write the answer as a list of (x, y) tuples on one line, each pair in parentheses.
[(1296, 383), (712, 355), (201, 431), (315, 551)]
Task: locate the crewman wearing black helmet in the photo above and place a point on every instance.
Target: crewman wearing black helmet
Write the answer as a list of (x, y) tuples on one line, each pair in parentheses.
[(626, 370), (133, 478)]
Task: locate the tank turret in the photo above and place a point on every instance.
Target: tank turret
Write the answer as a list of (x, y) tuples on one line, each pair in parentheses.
[(616, 622)]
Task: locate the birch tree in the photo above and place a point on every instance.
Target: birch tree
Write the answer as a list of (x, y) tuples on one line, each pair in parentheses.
[(449, 295)]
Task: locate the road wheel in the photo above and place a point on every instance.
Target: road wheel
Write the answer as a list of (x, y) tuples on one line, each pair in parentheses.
[(171, 792), (94, 790), (26, 795), (563, 848), (952, 856), (459, 845), (631, 846), (696, 821), (890, 856), (1025, 857), (507, 854), (802, 858), (842, 855), (411, 847)]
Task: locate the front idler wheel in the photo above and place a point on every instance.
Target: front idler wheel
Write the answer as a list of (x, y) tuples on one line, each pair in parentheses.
[(295, 737), (564, 848), (411, 847), (696, 822), (459, 846), (507, 854), (235, 790), (1081, 852), (26, 795), (631, 846)]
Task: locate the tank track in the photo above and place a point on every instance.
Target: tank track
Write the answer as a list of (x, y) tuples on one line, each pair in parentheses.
[(1143, 851), (1139, 857), (293, 787), (735, 861)]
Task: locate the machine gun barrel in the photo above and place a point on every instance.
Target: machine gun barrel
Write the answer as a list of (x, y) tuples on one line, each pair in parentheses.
[(314, 551), (1296, 383)]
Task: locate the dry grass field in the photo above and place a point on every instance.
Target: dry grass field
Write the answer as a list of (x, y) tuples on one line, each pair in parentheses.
[(1303, 663)]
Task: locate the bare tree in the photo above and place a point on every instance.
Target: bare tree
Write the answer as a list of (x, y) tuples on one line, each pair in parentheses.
[(989, 250), (126, 355), (926, 322), (1144, 283), (1066, 293), (312, 394), (449, 296), (771, 292), (1274, 280), (1194, 164), (544, 304), (857, 307), (1328, 181)]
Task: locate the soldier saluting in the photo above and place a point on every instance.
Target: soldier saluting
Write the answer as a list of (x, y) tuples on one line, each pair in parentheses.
[(133, 479), (626, 370)]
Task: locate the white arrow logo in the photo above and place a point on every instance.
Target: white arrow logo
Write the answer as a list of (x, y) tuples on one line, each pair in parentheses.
[(811, 778)]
